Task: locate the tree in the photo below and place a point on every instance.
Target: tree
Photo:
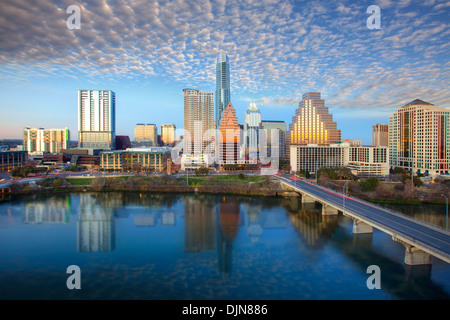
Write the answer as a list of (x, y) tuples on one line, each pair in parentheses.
[(398, 170), (304, 173), (345, 173), (370, 184), (330, 172)]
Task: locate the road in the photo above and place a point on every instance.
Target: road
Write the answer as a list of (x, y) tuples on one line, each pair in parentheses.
[(400, 226)]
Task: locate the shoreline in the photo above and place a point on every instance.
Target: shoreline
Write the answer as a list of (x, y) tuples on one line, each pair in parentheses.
[(265, 192)]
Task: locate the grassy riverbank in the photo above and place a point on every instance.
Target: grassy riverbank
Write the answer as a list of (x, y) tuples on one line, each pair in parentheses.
[(213, 184), (238, 184)]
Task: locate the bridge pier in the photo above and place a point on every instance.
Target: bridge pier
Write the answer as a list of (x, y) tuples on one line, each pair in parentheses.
[(328, 210), (414, 256), (307, 199), (361, 227), (5, 190)]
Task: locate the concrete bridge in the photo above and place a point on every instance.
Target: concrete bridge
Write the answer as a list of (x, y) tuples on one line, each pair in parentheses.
[(421, 240)]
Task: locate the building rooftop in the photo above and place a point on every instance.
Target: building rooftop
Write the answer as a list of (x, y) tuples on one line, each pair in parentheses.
[(419, 102)]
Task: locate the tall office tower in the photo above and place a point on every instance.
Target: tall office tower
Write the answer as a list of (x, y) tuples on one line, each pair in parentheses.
[(168, 134), (96, 119), (269, 146), (222, 85), (251, 130), (380, 135), (419, 138), (230, 137), (312, 124), (198, 119), (146, 132), (45, 140)]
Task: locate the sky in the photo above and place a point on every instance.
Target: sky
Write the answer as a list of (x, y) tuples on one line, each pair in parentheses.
[(147, 52)]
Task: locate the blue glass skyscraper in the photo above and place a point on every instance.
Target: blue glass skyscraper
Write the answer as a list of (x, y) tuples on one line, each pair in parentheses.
[(222, 85)]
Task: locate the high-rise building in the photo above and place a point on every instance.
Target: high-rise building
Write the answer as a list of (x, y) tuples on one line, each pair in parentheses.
[(419, 138), (268, 145), (222, 85), (252, 121), (312, 123), (380, 134), (146, 132), (40, 140), (198, 119), (96, 119), (167, 134), (230, 136)]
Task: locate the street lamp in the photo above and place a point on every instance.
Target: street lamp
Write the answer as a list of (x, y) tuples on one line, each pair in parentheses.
[(446, 211), (343, 196)]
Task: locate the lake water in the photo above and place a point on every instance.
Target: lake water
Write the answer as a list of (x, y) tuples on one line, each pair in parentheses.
[(177, 247)]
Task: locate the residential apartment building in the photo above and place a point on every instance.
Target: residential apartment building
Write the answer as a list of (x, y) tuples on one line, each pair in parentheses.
[(40, 140), (96, 119), (222, 85), (199, 123)]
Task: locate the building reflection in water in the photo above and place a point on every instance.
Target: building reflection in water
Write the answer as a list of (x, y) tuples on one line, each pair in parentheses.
[(227, 229), (314, 229), (95, 225), (199, 224), (53, 210)]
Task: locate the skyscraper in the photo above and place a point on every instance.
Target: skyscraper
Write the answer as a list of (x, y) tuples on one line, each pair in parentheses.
[(380, 134), (222, 85), (419, 138), (198, 118), (96, 119), (268, 145), (146, 132), (168, 134), (312, 124), (230, 137), (251, 130)]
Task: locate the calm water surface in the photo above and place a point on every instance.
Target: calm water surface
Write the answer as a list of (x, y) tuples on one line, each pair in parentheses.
[(152, 246)]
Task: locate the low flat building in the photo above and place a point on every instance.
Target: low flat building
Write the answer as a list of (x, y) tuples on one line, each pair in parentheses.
[(194, 161), (362, 160), (10, 160), (151, 159)]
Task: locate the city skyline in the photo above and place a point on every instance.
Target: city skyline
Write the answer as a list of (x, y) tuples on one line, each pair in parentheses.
[(277, 50)]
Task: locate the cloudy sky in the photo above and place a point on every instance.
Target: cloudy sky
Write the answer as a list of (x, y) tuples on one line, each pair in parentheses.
[(149, 51)]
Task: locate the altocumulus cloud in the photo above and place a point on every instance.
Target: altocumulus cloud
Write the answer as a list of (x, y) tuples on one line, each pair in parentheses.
[(278, 49)]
